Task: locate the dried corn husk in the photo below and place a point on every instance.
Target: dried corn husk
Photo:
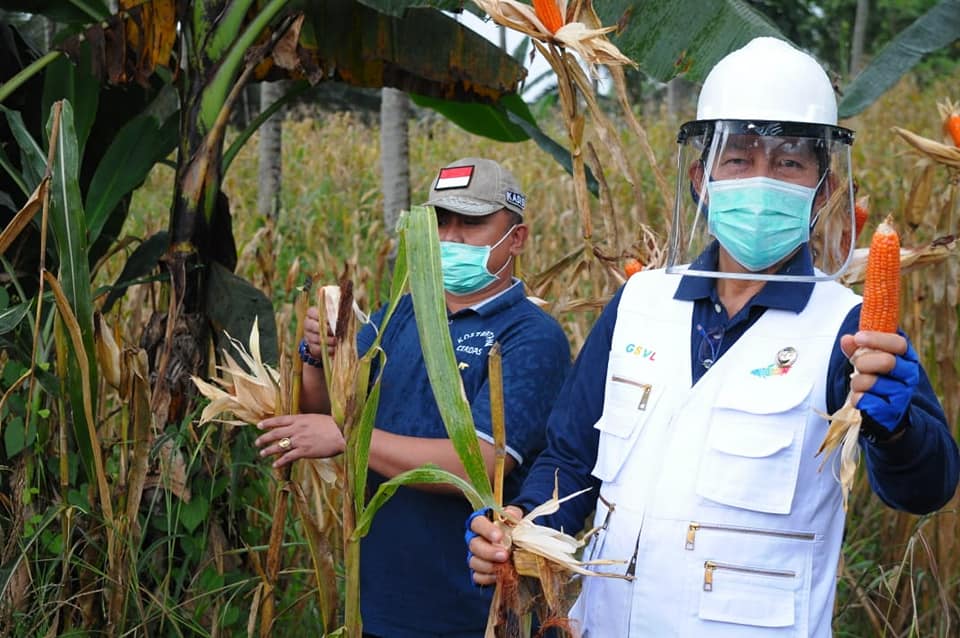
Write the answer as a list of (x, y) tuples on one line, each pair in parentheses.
[(936, 151), (108, 352), (844, 433), (249, 392), (548, 556), (558, 548), (589, 42)]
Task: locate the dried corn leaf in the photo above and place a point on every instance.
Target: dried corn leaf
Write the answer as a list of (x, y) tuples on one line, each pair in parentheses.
[(831, 237), (940, 153), (26, 214), (911, 259), (173, 472), (151, 30)]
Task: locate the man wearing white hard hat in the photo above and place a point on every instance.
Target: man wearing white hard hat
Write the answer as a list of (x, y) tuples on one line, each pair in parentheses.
[(695, 407)]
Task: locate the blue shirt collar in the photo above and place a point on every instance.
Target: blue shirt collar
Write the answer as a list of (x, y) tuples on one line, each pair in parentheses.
[(782, 295), (503, 299)]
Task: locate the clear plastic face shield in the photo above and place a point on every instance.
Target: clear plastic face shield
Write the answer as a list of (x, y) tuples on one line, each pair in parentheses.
[(768, 193)]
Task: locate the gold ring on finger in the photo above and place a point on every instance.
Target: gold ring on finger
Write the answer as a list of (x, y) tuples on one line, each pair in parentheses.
[(284, 443)]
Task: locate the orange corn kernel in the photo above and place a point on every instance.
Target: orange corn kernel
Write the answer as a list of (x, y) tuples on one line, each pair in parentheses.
[(549, 14), (952, 126), (881, 287), (861, 212), (632, 266)]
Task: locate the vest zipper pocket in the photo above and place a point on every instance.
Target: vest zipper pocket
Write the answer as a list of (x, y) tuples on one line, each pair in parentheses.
[(736, 529), (710, 566), (646, 387)]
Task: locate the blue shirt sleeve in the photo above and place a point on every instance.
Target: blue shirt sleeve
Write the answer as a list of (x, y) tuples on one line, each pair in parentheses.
[(918, 471), (572, 441)]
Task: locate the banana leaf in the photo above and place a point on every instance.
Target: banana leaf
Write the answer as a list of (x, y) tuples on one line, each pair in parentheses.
[(933, 30)]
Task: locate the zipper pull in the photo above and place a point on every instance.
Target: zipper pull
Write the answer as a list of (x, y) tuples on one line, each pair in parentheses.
[(708, 569), (691, 535), (632, 567)]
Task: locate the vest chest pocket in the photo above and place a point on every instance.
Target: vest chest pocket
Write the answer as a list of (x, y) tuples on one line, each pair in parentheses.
[(630, 396), (752, 453), (743, 600)]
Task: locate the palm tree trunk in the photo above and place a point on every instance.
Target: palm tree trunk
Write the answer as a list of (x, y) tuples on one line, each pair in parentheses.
[(270, 158), (394, 155), (859, 36)]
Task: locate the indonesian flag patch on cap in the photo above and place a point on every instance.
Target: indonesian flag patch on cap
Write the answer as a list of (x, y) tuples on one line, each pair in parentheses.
[(454, 177)]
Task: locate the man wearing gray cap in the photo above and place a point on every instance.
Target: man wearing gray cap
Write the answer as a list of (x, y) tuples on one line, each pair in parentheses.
[(414, 580)]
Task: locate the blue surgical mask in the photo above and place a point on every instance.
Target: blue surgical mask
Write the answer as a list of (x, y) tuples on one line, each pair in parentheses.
[(759, 220), (465, 267)]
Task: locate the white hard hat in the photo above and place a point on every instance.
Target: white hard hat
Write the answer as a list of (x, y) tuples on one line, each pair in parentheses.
[(768, 79)]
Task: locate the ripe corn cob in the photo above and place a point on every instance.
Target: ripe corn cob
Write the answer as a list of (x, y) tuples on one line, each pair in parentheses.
[(861, 213), (549, 14), (950, 112), (881, 288), (953, 128), (880, 312)]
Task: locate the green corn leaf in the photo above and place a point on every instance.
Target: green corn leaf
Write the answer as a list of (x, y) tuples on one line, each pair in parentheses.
[(67, 223), (11, 317), (427, 474), (137, 147), (418, 228), (33, 160), (363, 431), (67, 219), (64, 80), (138, 267)]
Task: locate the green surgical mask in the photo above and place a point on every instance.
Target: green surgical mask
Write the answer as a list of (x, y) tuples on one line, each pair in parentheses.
[(759, 220), (465, 267)]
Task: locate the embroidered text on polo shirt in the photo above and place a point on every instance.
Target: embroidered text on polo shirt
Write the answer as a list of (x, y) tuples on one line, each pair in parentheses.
[(475, 342)]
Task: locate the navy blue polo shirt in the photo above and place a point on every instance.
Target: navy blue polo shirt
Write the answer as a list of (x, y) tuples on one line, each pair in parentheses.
[(414, 577), (915, 473)]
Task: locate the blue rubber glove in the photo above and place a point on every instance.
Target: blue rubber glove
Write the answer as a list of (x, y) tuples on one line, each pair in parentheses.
[(887, 401), (469, 535)]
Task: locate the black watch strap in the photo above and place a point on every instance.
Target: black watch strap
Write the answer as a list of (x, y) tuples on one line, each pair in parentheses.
[(305, 356)]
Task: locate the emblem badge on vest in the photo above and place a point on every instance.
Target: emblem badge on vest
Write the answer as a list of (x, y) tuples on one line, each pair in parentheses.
[(784, 360)]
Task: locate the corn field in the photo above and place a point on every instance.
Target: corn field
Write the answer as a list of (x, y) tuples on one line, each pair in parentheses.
[(200, 561)]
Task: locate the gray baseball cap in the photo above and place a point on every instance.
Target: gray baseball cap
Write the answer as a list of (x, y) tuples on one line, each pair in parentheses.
[(475, 186)]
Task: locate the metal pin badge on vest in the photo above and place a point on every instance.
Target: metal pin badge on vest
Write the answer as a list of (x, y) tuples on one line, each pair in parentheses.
[(786, 357)]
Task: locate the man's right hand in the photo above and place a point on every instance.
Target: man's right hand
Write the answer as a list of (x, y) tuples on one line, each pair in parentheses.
[(311, 334), (487, 547)]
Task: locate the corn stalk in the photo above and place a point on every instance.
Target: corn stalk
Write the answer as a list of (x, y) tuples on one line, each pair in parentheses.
[(581, 39)]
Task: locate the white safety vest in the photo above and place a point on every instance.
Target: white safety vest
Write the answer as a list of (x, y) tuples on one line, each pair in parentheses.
[(714, 492)]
